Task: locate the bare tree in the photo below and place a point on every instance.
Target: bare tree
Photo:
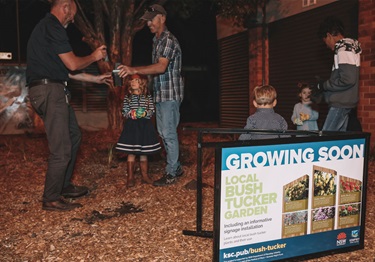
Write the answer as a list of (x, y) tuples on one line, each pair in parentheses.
[(245, 13), (113, 23)]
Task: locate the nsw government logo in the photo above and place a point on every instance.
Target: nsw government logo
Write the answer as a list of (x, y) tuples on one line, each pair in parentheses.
[(341, 239)]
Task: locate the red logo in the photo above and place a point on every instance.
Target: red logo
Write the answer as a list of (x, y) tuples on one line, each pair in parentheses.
[(341, 236)]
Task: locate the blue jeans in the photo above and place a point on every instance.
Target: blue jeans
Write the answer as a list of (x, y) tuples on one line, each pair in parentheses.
[(167, 120), (63, 135), (337, 119)]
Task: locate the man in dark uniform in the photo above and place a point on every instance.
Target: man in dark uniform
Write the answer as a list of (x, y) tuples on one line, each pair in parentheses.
[(50, 60)]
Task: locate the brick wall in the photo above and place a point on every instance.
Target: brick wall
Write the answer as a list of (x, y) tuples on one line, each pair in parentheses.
[(256, 76), (366, 36)]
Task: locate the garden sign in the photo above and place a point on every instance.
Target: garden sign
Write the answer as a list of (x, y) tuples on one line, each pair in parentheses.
[(296, 197)]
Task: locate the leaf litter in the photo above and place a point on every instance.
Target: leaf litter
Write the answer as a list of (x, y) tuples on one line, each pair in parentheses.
[(116, 223)]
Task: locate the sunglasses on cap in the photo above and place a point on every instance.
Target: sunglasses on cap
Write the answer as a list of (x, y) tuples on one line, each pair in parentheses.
[(152, 9)]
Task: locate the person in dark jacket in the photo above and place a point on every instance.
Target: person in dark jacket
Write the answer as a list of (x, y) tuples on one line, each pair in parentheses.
[(341, 90)]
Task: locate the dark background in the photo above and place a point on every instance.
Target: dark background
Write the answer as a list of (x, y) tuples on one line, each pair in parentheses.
[(197, 37)]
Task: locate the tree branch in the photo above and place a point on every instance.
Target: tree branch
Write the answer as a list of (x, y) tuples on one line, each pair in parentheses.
[(84, 25), (105, 7)]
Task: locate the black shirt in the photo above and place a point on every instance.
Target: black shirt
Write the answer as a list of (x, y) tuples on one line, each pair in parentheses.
[(47, 41)]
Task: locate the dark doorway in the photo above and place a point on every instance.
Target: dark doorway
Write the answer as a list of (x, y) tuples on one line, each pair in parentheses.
[(297, 54)]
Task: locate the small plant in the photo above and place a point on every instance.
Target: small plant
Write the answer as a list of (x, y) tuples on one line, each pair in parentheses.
[(298, 191), (324, 183), (110, 153), (349, 186), (323, 213), (22, 149), (295, 218), (8, 146), (349, 210)]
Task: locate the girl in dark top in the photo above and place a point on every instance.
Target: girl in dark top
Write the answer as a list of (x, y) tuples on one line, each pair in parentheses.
[(138, 136)]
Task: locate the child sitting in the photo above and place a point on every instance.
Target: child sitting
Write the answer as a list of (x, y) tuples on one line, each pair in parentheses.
[(265, 116)]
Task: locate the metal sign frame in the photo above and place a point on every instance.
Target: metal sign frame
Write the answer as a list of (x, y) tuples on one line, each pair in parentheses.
[(285, 245)]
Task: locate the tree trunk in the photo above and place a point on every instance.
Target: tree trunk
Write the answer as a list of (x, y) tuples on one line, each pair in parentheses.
[(114, 109), (116, 95), (121, 18)]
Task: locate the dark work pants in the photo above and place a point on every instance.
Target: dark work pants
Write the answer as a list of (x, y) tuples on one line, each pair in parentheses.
[(63, 135)]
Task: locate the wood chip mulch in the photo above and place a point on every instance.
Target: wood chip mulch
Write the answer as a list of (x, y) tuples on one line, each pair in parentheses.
[(143, 223)]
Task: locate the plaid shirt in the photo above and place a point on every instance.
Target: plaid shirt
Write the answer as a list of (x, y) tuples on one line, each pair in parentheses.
[(170, 85)]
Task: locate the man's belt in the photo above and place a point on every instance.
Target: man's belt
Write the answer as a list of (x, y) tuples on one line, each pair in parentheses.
[(45, 81)]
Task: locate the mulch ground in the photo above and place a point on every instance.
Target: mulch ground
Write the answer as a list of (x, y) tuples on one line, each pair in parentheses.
[(143, 223)]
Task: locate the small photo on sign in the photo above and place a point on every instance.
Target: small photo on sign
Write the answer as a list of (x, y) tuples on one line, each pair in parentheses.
[(294, 224), (324, 187), (349, 215), (296, 194), (323, 219), (350, 190)]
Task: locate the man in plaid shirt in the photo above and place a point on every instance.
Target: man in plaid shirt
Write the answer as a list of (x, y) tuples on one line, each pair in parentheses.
[(168, 88)]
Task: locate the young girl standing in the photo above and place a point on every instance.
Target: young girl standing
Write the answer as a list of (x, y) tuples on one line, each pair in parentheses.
[(138, 136), (304, 116)]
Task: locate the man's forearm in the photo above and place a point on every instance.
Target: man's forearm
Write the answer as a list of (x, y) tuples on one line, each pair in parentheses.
[(153, 69), (83, 77), (83, 62)]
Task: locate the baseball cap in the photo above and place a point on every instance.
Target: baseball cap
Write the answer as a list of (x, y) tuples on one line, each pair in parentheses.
[(152, 11)]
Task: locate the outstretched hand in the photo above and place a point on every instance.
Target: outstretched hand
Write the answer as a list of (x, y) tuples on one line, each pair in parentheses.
[(104, 79), (317, 90), (125, 71), (319, 84)]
